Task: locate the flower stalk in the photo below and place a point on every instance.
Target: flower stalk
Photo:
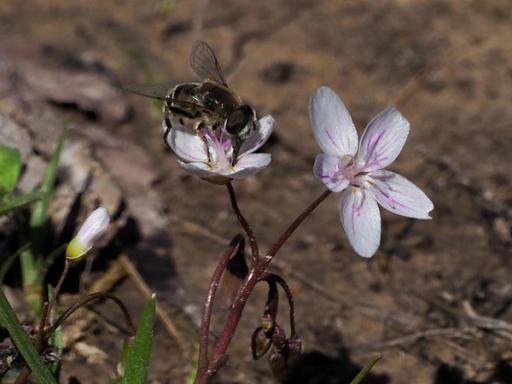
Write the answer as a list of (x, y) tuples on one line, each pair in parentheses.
[(208, 305), (354, 167), (256, 274), (243, 223)]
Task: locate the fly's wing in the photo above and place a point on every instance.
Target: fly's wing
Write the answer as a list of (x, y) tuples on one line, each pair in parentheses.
[(157, 91), (204, 62)]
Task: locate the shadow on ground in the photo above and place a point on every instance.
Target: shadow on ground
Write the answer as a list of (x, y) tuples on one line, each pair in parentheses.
[(318, 368), (447, 374)]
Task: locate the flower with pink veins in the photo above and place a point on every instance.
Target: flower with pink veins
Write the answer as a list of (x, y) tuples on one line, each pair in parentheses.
[(358, 171), (214, 155)]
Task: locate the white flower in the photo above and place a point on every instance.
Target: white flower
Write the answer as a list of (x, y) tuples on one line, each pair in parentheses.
[(91, 230), (358, 170), (214, 155)]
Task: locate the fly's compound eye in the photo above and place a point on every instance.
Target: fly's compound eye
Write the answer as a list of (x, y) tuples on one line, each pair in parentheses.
[(240, 122)]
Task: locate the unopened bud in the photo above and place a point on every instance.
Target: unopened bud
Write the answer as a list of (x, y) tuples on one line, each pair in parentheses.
[(294, 349), (91, 230), (279, 338), (277, 362), (260, 343)]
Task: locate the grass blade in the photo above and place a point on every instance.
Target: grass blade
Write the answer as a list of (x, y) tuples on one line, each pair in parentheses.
[(23, 344), (365, 371), (40, 211), (32, 260), (7, 263), (17, 201), (138, 358)]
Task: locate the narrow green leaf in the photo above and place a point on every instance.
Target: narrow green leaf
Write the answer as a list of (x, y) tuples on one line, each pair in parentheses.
[(365, 371), (11, 202), (138, 358), (32, 260), (6, 265), (191, 377), (31, 268), (125, 352), (23, 344), (10, 166), (40, 211)]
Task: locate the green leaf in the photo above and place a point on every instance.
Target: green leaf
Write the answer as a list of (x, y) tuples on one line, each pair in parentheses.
[(23, 344), (10, 166), (11, 202), (191, 377), (6, 265), (138, 358), (40, 211), (32, 260), (365, 371), (125, 352)]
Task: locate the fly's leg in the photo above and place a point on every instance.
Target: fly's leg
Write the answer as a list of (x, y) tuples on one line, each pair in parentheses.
[(168, 127), (167, 120)]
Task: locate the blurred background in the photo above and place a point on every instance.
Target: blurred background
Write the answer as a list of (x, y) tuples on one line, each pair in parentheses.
[(435, 300)]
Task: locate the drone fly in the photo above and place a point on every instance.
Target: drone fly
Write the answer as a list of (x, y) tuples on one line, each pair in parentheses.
[(210, 103)]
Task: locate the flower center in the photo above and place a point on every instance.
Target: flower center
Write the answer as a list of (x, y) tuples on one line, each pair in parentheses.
[(351, 171), (220, 148)]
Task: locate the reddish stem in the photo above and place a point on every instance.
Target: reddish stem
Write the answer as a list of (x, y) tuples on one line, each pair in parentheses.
[(44, 334), (293, 226), (268, 276), (92, 297), (257, 271), (208, 305), (243, 222), (230, 326)]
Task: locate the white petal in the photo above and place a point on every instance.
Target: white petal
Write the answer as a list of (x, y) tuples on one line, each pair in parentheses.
[(399, 195), (382, 140), (360, 217), (332, 125), (204, 172), (257, 138), (249, 165), (187, 145), (327, 169), (197, 168), (93, 227)]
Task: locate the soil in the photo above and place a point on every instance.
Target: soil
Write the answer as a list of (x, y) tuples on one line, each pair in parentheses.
[(427, 299)]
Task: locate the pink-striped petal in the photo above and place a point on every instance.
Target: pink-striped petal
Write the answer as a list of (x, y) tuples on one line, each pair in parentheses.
[(257, 138), (398, 195), (328, 168), (360, 217), (332, 125), (382, 140)]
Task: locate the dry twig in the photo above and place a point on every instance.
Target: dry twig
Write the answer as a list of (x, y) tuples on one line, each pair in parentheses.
[(160, 312)]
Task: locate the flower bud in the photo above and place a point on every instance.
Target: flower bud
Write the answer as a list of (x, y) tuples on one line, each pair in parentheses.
[(91, 230), (294, 349), (277, 362), (279, 338), (260, 343)]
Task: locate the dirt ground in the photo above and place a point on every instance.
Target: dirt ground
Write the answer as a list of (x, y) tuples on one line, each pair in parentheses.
[(436, 299)]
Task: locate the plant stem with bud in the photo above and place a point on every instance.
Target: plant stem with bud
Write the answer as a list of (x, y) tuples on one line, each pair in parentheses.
[(209, 365)]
